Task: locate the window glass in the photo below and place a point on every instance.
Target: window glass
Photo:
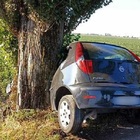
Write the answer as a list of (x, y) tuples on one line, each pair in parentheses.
[(104, 51)]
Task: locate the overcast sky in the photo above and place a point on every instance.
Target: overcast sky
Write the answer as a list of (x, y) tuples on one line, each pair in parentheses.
[(121, 17)]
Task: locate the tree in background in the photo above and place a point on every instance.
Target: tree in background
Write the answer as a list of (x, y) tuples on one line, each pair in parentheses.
[(40, 26)]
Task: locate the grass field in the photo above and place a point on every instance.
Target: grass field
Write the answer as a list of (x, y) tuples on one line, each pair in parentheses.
[(130, 43)]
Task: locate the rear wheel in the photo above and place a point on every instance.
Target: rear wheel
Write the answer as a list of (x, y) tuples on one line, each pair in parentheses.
[(69, 116)]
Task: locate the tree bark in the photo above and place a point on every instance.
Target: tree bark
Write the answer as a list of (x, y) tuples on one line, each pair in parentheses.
[(37, 60)]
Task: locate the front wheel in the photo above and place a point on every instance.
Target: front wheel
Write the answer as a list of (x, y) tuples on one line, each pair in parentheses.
[(69, 116)]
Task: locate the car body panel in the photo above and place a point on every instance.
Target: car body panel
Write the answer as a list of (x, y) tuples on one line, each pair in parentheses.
[(116, 71), (106, 95)]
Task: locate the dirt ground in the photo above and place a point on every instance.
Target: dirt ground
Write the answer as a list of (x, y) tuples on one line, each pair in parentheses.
[(107, 127)]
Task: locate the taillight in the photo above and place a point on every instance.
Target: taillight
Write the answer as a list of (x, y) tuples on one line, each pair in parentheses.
[(136, 57), (89, 97), (85, 65)]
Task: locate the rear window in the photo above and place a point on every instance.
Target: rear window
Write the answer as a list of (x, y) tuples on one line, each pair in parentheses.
[(104, 51)]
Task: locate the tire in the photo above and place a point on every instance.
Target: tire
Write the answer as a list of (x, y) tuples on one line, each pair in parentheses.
[(69, 116)]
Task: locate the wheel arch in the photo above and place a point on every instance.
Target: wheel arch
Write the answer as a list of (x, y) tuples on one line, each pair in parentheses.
[(62, 91)]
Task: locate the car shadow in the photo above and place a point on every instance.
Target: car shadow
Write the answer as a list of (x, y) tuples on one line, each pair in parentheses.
[(109, 127)]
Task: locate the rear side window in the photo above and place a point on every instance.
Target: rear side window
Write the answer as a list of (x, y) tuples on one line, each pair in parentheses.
[(104, 51)]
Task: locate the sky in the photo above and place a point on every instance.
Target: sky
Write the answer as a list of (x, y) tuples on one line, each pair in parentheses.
[(121, 18)]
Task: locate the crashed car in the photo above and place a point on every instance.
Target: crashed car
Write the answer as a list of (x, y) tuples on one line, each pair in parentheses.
[(94, 78)]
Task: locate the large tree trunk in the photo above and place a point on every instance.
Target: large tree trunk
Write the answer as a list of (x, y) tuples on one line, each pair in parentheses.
[(38, 57)]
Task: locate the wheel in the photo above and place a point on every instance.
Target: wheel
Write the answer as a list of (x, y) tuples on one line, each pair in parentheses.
[(69, 116)]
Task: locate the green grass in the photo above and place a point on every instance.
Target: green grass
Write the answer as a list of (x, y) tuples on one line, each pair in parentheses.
[(131, 43), (32, 125)]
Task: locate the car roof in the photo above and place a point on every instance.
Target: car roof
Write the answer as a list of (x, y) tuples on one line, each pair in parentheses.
[(98, 43)]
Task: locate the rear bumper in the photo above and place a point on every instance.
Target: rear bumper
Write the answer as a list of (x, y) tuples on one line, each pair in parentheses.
[(110, 97)]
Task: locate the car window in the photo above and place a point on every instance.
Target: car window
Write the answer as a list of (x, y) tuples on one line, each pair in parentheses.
[(104, 51)]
